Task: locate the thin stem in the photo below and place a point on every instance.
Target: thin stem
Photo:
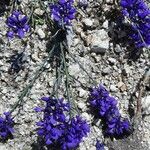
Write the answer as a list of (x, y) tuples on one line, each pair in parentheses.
[(58, 76), (67, 84), (28, 87), (31, 14), (73, 57), (13, 6)]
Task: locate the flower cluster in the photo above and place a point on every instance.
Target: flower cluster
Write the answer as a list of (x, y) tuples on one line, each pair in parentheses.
[(76, 130), (108, 111), (6, 126), (139, 14), (56, 128), (63, 12), (18, 25)]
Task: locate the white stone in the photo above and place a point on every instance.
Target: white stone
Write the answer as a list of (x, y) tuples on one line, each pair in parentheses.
[(74, 69), (1, 63), (120, 84), (88, 22), (86, 116), (105, 24), (3, 147), (112, 60), (146, 105), (81, 105), (82, 93), (99, 41), (41, 33), (4, 91), (38, 11), (113, 88), (106, 70)]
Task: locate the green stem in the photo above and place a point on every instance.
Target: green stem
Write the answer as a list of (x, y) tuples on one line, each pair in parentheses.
[(28, 87), (73, 57), (58, 78), (74, 108)]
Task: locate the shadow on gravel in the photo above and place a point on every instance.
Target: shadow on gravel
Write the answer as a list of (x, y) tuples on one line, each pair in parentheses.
[(17, 62), (39, 145), (3, 4), (58, 36), (119, 32)]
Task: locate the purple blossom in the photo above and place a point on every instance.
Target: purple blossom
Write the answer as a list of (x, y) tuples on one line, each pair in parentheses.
[(57, 128), (18, 25), (99, 146), (106, 107), (76, 130), (63, 12), (139, 14), (52, 126), (6, 126)]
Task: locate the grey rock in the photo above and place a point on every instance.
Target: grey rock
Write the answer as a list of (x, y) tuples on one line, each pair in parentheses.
[(98, 50), (106, 71), (99, 41), (113, 88), (105, 24), (38, 11), (126, 70), (82, 92), (41, 33), (86, 116), (112, 61), (146, 105), (1, 63), (69, 36), (74, 69), (88, 22), (81, 105), (117, 49)]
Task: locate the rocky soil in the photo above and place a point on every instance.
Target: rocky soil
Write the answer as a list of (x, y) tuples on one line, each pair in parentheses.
[(91, 41)]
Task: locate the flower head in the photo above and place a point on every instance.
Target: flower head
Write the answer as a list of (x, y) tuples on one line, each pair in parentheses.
[(139, 14), (52, 126), (18, 25), (57, 128), (6, 126), (107, 109), (76, 130), (63, 12)]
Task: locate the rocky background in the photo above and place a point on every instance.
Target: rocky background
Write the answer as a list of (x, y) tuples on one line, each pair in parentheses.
[(93, 41)]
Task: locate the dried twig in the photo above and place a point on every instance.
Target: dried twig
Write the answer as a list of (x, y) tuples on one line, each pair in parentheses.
[(141, 90)]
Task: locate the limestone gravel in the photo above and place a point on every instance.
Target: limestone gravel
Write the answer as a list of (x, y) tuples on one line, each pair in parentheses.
[(112, 68)]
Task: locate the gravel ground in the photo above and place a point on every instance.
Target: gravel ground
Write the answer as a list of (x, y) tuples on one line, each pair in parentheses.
[(105, 61)]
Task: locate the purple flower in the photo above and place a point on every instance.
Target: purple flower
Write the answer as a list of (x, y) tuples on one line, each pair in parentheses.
[(139, 14), (63, 12), (6, 126), (117, 127), (106, 107), (99, 146), (57, 128), (76, 129), (17, 23), (52, 126), (99, 97)]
